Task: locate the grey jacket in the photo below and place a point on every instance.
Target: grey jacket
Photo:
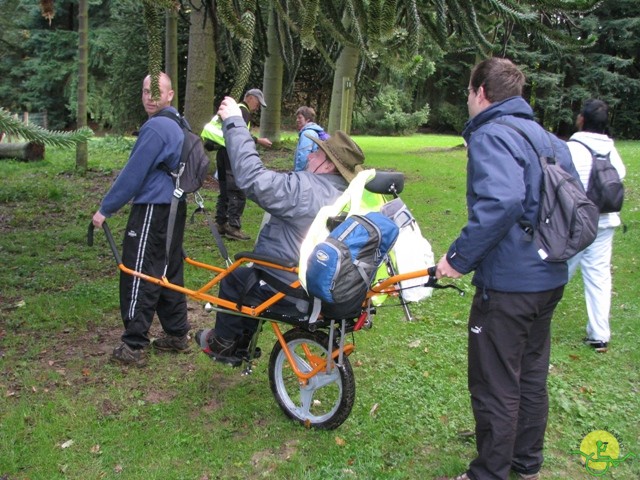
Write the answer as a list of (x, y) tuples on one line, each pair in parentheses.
[(293, 199)]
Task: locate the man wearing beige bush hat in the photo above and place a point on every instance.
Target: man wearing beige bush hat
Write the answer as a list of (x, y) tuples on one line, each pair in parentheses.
[(292, 199)]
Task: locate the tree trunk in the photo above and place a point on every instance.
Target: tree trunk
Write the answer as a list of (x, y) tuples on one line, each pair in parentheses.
[(171, 52), (83, 71), (270, 117), (346, 67), (27, 151), (201, 69)]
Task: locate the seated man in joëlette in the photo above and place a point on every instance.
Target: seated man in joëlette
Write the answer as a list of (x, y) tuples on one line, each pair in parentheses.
[(292, 199)]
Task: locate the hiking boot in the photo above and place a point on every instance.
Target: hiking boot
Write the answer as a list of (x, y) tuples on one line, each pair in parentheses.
[(172, 343), (527, 476), (125, 355), (218, 348), (598, 345), (234, 233), (222, 228)]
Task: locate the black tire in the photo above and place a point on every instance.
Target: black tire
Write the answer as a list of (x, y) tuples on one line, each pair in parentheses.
[(327, 399)]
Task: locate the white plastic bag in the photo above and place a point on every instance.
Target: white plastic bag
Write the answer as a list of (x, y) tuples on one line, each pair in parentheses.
[(413, 252)]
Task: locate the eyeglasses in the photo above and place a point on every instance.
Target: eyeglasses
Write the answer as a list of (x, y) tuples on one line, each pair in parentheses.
[(466, 91)]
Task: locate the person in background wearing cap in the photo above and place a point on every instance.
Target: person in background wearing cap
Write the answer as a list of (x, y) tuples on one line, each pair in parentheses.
[(292, 199), (232, 200)]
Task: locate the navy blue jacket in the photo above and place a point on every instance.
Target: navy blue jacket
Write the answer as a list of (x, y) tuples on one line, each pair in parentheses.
[(503, 190), (159, 141)]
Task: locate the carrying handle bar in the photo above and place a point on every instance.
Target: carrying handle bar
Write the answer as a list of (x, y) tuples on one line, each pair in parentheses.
[(112, 243), (433, 282)]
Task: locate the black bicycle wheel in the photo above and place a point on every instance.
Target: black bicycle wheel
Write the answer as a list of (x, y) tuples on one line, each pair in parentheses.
[(326, 400)]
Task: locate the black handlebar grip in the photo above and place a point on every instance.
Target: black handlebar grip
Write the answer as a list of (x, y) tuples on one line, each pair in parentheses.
[(90, 234)]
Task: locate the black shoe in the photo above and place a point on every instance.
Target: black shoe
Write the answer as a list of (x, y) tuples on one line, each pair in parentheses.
[(218, 348), (244, 353), (598, 345), (243, 348)]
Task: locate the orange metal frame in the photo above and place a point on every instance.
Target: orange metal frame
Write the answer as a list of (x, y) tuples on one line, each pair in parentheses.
[(386, 286)]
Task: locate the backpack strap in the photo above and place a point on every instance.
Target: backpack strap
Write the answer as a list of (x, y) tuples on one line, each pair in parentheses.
[(173, 210), (591, 150), (181, 123), (527, 138), (593, 153), (528, 227), (177, 193)]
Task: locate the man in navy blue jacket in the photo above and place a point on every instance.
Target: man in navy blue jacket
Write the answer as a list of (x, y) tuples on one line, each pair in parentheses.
[(150, 189), (516, 290)]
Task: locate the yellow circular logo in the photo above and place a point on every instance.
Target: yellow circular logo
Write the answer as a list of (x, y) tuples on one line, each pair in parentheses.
[(599, 447)]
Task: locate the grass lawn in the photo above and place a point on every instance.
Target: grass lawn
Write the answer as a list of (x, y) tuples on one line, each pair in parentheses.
[(67, 413)]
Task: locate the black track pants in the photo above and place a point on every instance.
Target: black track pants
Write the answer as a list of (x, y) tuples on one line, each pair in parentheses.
[(509, 346), (144, 250), (231, 200)]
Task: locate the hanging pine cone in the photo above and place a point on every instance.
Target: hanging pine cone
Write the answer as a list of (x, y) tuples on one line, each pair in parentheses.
[(153, 19), (48, 9)]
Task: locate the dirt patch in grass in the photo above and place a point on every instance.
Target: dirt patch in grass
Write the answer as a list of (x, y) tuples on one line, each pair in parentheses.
[(265, 461), (77, 358)]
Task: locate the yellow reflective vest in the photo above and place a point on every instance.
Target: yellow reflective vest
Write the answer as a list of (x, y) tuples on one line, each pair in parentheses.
[(213, 130)]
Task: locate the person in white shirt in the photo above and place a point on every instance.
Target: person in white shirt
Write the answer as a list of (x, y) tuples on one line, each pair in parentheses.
[(595, 260)]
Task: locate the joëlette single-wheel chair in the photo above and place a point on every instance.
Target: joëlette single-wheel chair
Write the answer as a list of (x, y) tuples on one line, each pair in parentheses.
[(309, 369)]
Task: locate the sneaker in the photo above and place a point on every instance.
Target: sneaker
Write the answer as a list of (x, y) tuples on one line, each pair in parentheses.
[(598, 345), (125, 355), (172, 343), (218, 348), (234, 233)]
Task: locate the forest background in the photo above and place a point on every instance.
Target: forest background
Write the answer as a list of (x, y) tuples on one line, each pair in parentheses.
[(66, 413), (400, 66)]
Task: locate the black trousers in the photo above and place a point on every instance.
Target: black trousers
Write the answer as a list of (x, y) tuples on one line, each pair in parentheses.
[(232, 288), (231, 200), (509, 347), (144, 250)]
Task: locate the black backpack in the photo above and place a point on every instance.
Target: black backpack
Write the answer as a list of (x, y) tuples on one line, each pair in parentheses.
[(605, 188), (567, 218), (194, 163)]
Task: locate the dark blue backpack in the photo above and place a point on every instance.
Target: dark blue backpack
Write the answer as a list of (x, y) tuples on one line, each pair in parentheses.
[(341, 268)]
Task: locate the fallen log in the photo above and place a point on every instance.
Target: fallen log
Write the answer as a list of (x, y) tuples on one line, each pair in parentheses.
[(26, 151)]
